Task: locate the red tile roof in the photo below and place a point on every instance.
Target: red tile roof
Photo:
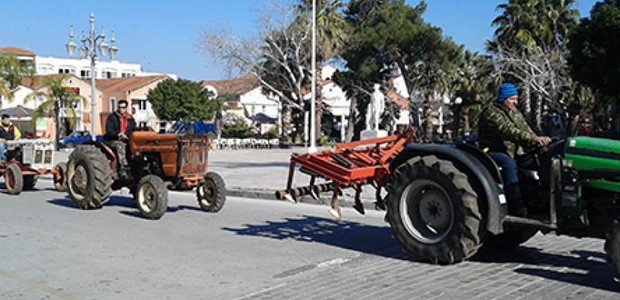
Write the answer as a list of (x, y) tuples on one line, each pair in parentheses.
[(17, 51), (401, 101), (237, 86), (127, 84)]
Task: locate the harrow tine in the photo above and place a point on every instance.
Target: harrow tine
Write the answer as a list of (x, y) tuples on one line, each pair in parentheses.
[(358, 202), (335, 209)]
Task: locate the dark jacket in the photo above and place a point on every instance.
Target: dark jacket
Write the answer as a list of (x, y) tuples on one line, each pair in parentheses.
[(113, 127), (9, 133), (504, 131)]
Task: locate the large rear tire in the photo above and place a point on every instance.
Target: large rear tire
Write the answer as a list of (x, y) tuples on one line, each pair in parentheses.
[(30, 181), (13, 179), (151, 197), (60, 179), (433, 211), (211, 194), (612, 248), (89, 177)]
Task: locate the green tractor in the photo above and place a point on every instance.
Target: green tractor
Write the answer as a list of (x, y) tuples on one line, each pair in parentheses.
[(446, 201)]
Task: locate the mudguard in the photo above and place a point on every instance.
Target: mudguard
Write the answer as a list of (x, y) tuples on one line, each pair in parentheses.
[(475, 163)]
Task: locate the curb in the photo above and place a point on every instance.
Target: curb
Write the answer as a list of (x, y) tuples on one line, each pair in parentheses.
[(269, 195)]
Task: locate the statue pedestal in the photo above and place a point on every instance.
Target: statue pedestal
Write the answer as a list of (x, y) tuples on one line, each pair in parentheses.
[(372, 134)]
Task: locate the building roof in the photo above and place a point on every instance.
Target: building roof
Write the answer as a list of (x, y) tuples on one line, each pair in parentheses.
[(17, 51), (401, 101), (237, 86), (127, 83), (17, 112), (37, 82)]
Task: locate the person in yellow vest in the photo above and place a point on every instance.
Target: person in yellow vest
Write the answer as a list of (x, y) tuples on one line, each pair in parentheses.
[(8, 132)]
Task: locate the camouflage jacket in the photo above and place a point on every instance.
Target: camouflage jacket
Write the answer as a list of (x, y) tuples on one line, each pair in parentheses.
[(504, 131)]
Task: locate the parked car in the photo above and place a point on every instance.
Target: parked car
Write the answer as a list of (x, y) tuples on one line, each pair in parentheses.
[(77, 138)]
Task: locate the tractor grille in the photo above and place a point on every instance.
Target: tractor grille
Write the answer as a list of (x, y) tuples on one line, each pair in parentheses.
[(193, 155)]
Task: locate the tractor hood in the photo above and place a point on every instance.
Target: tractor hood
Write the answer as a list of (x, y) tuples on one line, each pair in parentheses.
[(588, 153)]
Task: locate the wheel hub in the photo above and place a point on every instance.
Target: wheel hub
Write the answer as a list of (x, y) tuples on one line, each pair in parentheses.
[(147, 197), (426, 211), (206, 193)]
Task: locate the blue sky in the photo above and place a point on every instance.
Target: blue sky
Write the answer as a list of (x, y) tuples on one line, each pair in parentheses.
[(163, 35)]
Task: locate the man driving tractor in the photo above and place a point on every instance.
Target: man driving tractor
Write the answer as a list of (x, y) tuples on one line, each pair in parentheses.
[(118, 129), (504, 134), (8, 132)]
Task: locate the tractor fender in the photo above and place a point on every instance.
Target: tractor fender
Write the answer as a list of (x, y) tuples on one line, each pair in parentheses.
[(475, 165)]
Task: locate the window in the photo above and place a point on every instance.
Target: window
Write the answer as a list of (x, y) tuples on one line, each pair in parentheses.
[(85, 74), (64, 71), (142, 105), (112, 104), (126, 74), (109, 74)]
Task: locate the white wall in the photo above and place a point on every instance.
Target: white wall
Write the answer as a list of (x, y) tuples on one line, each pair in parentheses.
[(51, 65), (256, 102)]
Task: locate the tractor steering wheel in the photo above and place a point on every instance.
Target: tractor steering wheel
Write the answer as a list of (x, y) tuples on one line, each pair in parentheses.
[(530, 159)]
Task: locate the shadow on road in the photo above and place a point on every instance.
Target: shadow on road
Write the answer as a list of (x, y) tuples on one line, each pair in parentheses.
[(584, 268), (364, 238), (126, 202)]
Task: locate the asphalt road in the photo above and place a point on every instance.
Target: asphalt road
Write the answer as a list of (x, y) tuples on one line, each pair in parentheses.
[(256, 249)]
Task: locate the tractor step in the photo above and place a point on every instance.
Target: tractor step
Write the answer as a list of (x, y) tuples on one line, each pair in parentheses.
[(534, 223)]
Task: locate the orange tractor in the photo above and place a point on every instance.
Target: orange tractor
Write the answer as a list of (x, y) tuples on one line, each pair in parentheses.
[(157, 162)]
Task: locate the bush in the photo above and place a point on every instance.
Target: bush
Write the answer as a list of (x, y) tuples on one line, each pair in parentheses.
[(239, 130), (271, 134)]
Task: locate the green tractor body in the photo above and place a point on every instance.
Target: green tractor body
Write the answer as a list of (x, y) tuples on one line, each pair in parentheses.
[(597, 161)]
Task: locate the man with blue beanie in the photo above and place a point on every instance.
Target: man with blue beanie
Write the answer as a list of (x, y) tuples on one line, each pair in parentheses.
[(504, 133)]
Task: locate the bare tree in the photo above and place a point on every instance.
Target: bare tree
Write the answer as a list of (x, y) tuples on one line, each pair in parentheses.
[(278, 57), (543, 72)]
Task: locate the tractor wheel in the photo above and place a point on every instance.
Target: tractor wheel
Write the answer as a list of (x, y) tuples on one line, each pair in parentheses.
[(211, 194), (89, 177), (151, 197), (433, 211), (30, 181), (60, 180), (13, 179), (612, 248), (512, 237)]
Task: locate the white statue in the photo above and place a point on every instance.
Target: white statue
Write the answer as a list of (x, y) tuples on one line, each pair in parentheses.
[(375, 109)]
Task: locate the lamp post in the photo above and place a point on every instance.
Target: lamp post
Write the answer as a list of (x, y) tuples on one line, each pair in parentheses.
[(312, 148), (92, 42)]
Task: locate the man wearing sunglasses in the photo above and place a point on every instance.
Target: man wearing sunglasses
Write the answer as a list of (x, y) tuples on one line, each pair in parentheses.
[(118, 129)]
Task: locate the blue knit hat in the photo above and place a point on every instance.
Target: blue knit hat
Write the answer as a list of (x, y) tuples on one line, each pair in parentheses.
[(506, 90)]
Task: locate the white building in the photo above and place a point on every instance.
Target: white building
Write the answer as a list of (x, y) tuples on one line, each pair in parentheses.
[(81, 68)]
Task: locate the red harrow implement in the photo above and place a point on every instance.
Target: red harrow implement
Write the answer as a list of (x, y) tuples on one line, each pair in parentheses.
[(350, 165)]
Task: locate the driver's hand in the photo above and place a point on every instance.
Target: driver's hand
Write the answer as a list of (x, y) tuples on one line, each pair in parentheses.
[(543, 140)]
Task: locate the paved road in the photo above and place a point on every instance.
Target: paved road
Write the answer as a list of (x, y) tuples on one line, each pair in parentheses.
[(261, 250)]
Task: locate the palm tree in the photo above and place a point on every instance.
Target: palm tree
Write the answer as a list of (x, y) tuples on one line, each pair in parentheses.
[(332, 33), (50, 99), (11, 73)]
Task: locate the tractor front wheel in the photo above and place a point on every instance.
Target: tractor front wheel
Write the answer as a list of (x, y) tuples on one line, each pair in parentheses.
[(612, 248), (60, 177), (89, 177), (151, 197), (13, 179), (433, 211), (211, 194)]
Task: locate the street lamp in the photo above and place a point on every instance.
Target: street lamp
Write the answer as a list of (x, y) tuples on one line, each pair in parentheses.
[(92, 42), (312, 148)]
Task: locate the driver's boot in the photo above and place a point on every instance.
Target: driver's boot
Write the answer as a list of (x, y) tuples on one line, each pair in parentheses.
[(516, 207)]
